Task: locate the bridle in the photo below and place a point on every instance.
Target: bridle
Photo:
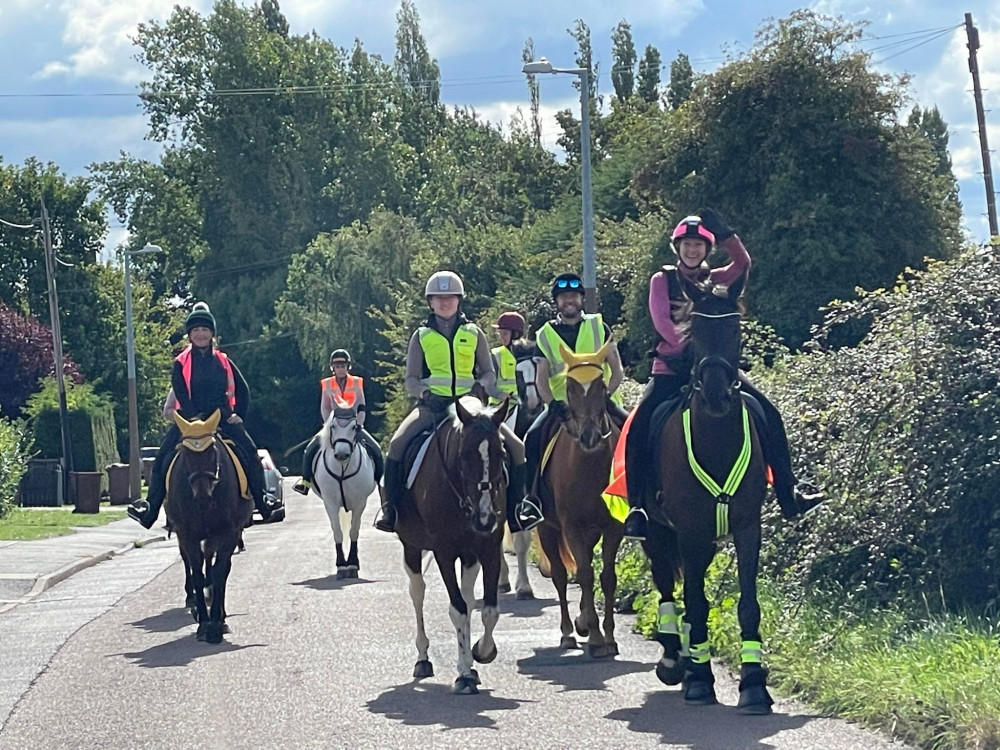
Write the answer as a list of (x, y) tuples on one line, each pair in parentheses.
[(490, 485), (714, 360), (603, 422), (345, 464)]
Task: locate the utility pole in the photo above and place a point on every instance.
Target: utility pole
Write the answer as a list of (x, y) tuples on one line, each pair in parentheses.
[(57, 350), (991, 205)]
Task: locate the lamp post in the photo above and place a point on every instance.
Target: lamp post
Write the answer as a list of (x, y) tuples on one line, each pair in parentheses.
[(589, 261), (134, 476)]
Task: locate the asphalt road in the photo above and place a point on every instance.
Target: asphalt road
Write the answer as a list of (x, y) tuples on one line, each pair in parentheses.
[(108, 659)]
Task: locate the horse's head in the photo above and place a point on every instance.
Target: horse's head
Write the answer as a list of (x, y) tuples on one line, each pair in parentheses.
[(198, 447), (340, 433), (480, 464), (715, 343), (525, 373), (587, 397)]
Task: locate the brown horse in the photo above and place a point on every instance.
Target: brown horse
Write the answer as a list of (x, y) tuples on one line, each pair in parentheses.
[(206, 511), (577, 472), (457, 512), (711, 484)]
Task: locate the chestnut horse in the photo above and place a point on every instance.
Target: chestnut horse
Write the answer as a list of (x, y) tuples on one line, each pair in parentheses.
[(711, 484), (577, 472), (207, 512), (457, 511)]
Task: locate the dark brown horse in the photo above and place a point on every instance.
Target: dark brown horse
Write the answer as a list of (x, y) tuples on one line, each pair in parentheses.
[(577, 473), (457, 513), (711, 485), (206, 511)]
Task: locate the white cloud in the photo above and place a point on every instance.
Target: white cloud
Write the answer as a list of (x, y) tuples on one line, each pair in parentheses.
[(502, 112)]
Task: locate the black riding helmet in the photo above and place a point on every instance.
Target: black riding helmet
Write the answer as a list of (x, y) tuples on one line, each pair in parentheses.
[(340, 355), (566, 282)]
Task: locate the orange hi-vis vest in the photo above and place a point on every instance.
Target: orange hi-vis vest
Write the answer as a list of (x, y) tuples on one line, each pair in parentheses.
[(347, 398), (185, 359)]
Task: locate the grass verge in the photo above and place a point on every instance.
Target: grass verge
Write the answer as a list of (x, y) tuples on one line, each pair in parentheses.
[(25, 525), (930, 680)]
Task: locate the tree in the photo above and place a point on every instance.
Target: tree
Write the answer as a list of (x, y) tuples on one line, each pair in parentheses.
[(527, 56), (624, 58), (649, 75), (415, 67), (681, 81)]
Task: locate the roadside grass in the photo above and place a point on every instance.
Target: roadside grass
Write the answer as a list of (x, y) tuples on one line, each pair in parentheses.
[(24, 525), (931, 680)]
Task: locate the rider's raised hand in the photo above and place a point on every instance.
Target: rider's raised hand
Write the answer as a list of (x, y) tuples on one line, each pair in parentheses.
[(714, 223)]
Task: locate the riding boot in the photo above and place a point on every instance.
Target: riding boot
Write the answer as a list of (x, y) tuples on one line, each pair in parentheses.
[(797, 501), (146, 511), (394, 487), (522, 513), (636, 481), (305, 483)]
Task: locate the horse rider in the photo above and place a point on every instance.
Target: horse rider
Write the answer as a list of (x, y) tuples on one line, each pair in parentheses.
[(578, 332), (693, 239), (342, 390), (510, 328), (204, 379), (447, 357)]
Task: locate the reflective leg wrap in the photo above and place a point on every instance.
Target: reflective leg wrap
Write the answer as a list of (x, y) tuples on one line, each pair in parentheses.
[(751, 652), (700, 653)]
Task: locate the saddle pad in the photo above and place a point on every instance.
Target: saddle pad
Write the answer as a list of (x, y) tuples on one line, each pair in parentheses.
[(415, 452), (241, 474)]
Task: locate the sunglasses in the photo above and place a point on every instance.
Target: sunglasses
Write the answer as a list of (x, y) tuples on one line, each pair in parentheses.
[(568, 284)]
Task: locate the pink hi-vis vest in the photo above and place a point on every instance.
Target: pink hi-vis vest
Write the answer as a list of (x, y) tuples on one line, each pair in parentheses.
[(185, 359)]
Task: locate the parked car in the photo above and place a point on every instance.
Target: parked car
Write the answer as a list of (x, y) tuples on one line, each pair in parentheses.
[(272, 482), (147, 454)]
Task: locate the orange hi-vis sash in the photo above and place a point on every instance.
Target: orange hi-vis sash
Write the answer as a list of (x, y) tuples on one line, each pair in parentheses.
[(185, 359)]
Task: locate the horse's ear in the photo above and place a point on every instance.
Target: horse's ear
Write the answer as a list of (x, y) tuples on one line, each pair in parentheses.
[(736, 288), (212, 423), (499, 415), (601, 354), (463, 414), (691, 290)]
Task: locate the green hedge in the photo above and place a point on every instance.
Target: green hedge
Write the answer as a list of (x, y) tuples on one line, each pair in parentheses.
[(91, 422), (13, 462)]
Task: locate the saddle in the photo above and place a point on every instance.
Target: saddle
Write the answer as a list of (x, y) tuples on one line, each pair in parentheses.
[(199, 444), (413, 455)]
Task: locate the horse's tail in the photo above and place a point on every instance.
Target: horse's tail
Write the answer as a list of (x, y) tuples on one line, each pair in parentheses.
[(544, 564)]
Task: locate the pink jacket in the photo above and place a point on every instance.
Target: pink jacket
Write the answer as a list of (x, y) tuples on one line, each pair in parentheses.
[(672, 341)]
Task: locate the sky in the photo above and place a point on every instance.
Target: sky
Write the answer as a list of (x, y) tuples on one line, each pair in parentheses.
[(68, 91)]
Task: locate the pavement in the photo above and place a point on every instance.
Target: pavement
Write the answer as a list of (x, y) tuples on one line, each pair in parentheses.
[(29, 568)]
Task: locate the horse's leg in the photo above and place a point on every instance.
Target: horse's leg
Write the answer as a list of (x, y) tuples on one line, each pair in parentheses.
[(504, 569), (466, 683), (699, 681), (522, 542), (660, 546), (581, 543), (549, 537), (190, 598), (754, 698), (220, 576), (485, 649), (336, 524), (357, 509), (193, 554), (609, 583), (411, 562)]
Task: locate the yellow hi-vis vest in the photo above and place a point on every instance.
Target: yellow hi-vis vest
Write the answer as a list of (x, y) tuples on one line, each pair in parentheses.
[(507, 367), (451, 365), (589, 338)]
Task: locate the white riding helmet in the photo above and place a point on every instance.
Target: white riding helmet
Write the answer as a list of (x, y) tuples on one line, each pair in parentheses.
[(444, 282)]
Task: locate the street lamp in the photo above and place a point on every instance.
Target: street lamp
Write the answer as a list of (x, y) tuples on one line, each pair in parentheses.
[(134, 488), (589, 261)]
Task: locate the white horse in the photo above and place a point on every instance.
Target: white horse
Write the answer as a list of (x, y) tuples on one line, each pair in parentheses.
[(344, 477), (519, 419)]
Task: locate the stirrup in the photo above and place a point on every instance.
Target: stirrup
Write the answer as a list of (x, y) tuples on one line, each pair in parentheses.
[(302, 487), (635, 523), (528, 513), (387, 521)]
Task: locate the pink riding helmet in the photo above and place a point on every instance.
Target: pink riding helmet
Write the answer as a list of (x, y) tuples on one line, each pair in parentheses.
[(691, 227)]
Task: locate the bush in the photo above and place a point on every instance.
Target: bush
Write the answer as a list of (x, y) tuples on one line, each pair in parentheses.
[(91, 422), (13, 462)]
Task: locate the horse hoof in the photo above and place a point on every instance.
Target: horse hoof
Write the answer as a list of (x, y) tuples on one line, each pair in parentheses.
[(754, 701), (465, 686), (567, 642), (194, 613), (484, 658), (524, 596), (504, 588), (581, 630), (475, 676), (700, 694), (670, 674), (201, 633), (423, 669)]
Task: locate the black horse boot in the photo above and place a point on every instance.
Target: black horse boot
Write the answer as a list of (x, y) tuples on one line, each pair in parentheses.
[(305, 483), (146, 511), (395, 485)]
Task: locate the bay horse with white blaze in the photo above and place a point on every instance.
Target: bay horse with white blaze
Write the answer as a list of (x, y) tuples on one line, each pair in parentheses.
[(206, 510), (344, 477), (711, 485), (455, 510), (577, 472)]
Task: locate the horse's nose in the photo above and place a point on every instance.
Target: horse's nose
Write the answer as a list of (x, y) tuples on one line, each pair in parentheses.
[(590, 438), (341, 455)]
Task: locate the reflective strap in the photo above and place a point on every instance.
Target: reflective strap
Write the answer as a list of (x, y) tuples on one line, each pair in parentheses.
[(459, 382), (700, 653), (685, 637), (721, 520), (752, 652), (667, 620)]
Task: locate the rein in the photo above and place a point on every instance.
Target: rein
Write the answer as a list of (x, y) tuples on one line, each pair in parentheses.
[(341, 478), (725, 493)]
